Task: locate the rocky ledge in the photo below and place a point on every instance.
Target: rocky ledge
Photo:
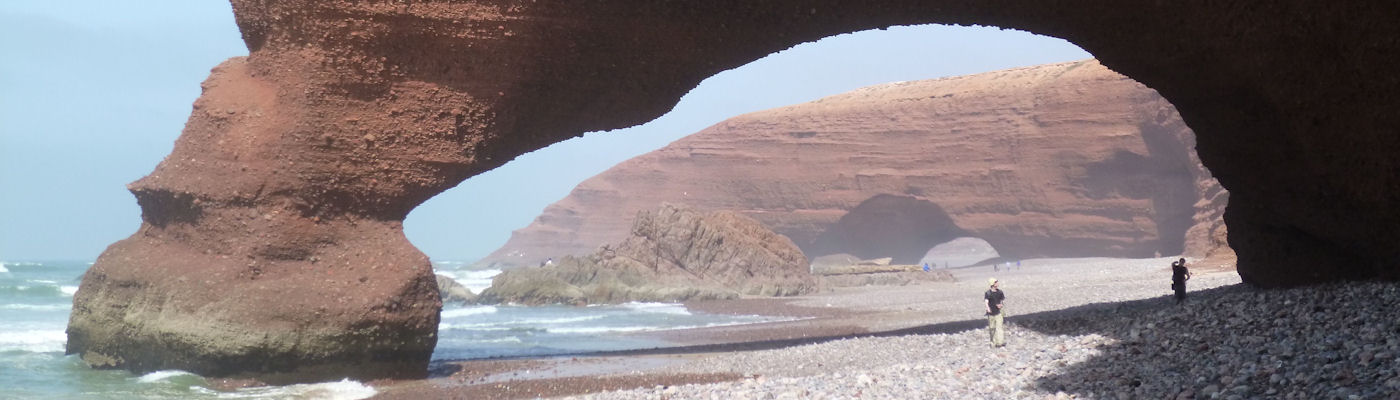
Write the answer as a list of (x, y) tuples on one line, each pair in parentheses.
[(674, 254)]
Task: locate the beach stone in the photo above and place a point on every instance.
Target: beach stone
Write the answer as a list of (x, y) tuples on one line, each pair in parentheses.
[(1210, 390)]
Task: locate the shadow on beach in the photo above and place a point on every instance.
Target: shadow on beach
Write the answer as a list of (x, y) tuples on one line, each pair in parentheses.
[(1326, 341), (1229, 341)]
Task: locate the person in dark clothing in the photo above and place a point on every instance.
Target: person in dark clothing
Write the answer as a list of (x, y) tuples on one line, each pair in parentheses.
[(995, 298), (1179, 277)]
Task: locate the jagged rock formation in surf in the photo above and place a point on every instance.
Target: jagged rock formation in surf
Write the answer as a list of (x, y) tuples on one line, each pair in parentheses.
[(1067, 160), (277, 217), (672, 254)]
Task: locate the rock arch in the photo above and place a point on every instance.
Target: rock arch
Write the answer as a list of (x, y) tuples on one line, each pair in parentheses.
[(272, 242), (900, 227)]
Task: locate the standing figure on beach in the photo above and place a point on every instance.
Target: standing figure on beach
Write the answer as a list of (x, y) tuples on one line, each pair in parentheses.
[(994, 316), (1179, 277)]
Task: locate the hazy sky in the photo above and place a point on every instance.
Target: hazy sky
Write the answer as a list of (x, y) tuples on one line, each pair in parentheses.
[(93, 95)]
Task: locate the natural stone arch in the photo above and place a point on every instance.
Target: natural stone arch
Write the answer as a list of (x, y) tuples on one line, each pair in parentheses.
[(298, 164), (900, 227)]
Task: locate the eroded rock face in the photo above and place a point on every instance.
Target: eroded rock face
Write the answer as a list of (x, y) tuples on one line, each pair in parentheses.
[(298, 162), (1066, 160), (672, 254)]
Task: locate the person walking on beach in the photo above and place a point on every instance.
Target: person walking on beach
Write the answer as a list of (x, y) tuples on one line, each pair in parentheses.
[(1179, 277), (994, 316)]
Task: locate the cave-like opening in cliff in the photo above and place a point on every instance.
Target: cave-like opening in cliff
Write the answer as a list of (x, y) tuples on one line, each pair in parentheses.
[(894, 226), (476, 217), (508, 197)]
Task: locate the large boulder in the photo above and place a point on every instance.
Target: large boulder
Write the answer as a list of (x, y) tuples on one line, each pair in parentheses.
[(362, 307), (673, 254), (454, 292)]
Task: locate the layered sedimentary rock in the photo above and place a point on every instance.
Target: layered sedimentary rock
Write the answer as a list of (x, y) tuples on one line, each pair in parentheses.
[(1068, 160), (672, 254), (299, 161)]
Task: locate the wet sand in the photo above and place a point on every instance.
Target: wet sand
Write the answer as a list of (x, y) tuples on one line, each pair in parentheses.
[(836, 314)]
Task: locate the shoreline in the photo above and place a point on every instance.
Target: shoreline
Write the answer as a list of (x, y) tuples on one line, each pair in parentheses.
[(839, 315)]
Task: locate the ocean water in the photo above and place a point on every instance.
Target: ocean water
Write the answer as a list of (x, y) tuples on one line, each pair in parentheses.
[(36, 298)]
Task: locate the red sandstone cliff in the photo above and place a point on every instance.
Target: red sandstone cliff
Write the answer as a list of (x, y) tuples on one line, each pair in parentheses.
[(1057, 160)]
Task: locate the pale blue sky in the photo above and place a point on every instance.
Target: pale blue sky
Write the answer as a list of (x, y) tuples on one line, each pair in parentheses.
[(93, 95)]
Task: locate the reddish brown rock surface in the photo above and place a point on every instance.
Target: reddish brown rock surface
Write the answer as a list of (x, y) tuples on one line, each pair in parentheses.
[(1064, 160), (299, 162)]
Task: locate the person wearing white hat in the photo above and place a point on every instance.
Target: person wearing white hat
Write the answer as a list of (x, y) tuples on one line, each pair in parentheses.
[(995, 298)]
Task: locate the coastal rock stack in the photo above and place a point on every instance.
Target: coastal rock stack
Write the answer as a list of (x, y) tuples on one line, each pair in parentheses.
[(673, 254)]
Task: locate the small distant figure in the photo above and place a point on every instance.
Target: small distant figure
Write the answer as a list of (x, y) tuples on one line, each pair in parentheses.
[(995, 298), (1179, 277), (549, 261), (1018, 264), (926, 268), (996, 266)]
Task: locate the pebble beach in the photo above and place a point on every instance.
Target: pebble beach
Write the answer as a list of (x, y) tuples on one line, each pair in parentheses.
[(1081, 328)]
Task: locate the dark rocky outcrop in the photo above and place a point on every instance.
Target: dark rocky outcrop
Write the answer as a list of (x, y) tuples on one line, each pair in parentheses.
[(454, 292), (1064, 160), (673, 254), (299, 162)]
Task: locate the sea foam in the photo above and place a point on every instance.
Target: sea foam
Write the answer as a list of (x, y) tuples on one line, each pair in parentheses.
[(663, 308), (474, 280), (161, 375), (462, 312), (34, 341), (344, 389), (37, 307)]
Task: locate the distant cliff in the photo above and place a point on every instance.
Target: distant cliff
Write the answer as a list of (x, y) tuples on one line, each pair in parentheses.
[(1057, 160)]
